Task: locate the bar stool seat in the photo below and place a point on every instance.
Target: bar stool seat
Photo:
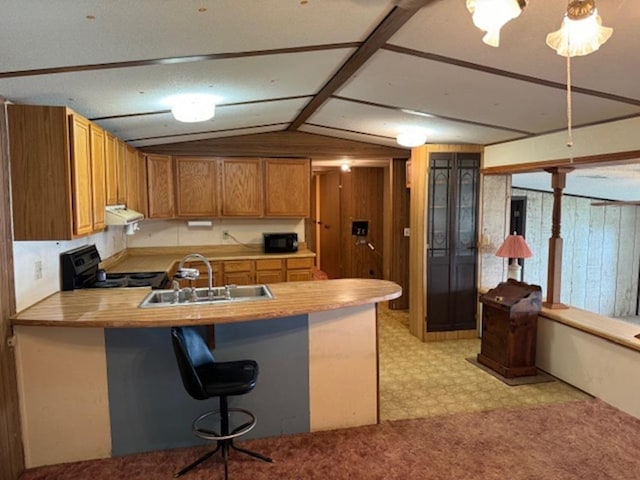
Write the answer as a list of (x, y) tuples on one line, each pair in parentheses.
[(203, 378)]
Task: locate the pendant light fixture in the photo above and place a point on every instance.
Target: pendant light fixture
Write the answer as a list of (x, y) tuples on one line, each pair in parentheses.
[(581, 32), (491, 15)]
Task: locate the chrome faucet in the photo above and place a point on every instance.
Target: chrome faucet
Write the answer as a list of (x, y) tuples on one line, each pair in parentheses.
[(192, 273)]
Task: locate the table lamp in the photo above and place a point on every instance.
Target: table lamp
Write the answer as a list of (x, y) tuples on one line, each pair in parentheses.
[(514, 247)]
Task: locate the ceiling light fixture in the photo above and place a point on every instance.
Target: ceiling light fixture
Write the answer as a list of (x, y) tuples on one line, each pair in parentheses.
[(491, 15), (345, 167), (412, 138), (581, 32), (193, 108)]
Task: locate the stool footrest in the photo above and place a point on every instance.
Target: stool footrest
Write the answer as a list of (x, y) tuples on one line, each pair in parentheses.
[(209, 434)]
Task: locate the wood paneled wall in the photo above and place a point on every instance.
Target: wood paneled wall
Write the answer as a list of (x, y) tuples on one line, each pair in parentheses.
[(601, 254), (396, 244), (362, 199), (280, 144), (11, 455)]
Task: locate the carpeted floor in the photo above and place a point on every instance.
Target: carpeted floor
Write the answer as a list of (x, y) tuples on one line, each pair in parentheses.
[(582, 440)]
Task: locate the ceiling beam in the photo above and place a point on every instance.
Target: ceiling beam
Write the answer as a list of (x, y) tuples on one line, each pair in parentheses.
[(382, 33)]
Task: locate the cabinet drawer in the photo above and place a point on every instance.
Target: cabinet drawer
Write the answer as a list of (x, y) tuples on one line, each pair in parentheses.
[(299, 262), (299, 275), (202, 268), (273, 276), (238, 266), (269, 264)]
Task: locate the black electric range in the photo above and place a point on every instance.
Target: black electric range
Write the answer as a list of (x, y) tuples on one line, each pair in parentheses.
[(79, 268)]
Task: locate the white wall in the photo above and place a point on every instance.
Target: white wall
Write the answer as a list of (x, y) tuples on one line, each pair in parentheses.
[(601, 252), (174, 233), (28, 288), (612, 137)]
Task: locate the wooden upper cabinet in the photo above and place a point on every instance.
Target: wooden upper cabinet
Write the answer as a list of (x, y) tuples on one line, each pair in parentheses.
[(81, 175), (196, 187), (160, 186), (121, 172), (287, 187), (111, 169), (98, 170), (241, 187), (131, 167), (143, 197)]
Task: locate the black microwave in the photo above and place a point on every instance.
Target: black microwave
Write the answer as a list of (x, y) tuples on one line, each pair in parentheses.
[(280, 242)]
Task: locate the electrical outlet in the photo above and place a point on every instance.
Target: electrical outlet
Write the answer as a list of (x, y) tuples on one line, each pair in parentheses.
[(38, 269), (225, 235)]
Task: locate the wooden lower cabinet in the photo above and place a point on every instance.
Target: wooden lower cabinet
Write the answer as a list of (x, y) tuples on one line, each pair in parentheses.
[(269, 271), (240, 272), (299, 269), (250, 272)]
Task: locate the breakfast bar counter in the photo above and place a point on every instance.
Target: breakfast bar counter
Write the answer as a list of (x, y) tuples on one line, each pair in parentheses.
[(118, 308), (97, 375)]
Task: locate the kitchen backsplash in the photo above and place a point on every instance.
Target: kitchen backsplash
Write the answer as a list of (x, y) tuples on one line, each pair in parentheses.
[(37, 264), (176, 233)]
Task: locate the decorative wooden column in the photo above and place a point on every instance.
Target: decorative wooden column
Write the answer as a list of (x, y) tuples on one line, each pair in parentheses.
[(554, 267)]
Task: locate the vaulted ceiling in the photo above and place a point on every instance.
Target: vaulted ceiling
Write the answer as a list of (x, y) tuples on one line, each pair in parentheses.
[(353, 69)]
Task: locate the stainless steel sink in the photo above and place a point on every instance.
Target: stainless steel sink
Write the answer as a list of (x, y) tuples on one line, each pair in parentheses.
[(201, 296)]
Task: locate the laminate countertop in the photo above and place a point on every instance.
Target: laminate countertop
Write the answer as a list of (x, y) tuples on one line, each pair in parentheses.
[(118, 307)]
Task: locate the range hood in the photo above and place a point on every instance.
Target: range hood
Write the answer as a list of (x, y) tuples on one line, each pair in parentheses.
[(121, 215)]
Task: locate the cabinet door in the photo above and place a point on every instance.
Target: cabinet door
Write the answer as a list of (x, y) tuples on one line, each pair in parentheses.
[(299, 269), (121, 171), (196, 187), (160, 186), (98, 184), (110, 166), (269, 270), (238, 272), (143, 201), (81, 175), (131, 167), (287, 187), (242, 187)]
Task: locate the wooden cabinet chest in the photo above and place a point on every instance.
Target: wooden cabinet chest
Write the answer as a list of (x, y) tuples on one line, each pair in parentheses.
[(509, 328)]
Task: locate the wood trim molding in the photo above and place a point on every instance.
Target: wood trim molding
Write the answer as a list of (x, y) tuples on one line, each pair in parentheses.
[(376, 40), (279, 144), (11, 454), (590, 161)]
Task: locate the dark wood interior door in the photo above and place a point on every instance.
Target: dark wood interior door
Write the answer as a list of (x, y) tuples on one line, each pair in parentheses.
[(451, 249), (329, 222)]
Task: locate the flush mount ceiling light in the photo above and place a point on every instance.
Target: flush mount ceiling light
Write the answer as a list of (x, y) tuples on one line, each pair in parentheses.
[(491, 15), (581, 32), (193, 108), (412, 138), (345, 167)]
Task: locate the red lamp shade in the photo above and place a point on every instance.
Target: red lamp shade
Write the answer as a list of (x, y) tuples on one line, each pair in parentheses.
[(514, 246)]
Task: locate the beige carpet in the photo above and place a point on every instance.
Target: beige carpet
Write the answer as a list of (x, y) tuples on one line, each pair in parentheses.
[(584, 440)]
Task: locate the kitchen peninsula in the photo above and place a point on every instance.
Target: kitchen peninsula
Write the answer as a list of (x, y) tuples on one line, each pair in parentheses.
[(99, 372)]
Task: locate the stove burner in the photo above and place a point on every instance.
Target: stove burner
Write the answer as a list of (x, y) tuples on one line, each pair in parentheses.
[(115, 276), (138, 283), (142, 276), (108, 284)]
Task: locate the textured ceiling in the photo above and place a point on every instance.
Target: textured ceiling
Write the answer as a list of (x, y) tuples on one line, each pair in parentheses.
[(351, 69)]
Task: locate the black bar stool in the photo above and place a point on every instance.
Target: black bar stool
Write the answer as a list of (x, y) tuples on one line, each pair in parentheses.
[(205, 378)]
